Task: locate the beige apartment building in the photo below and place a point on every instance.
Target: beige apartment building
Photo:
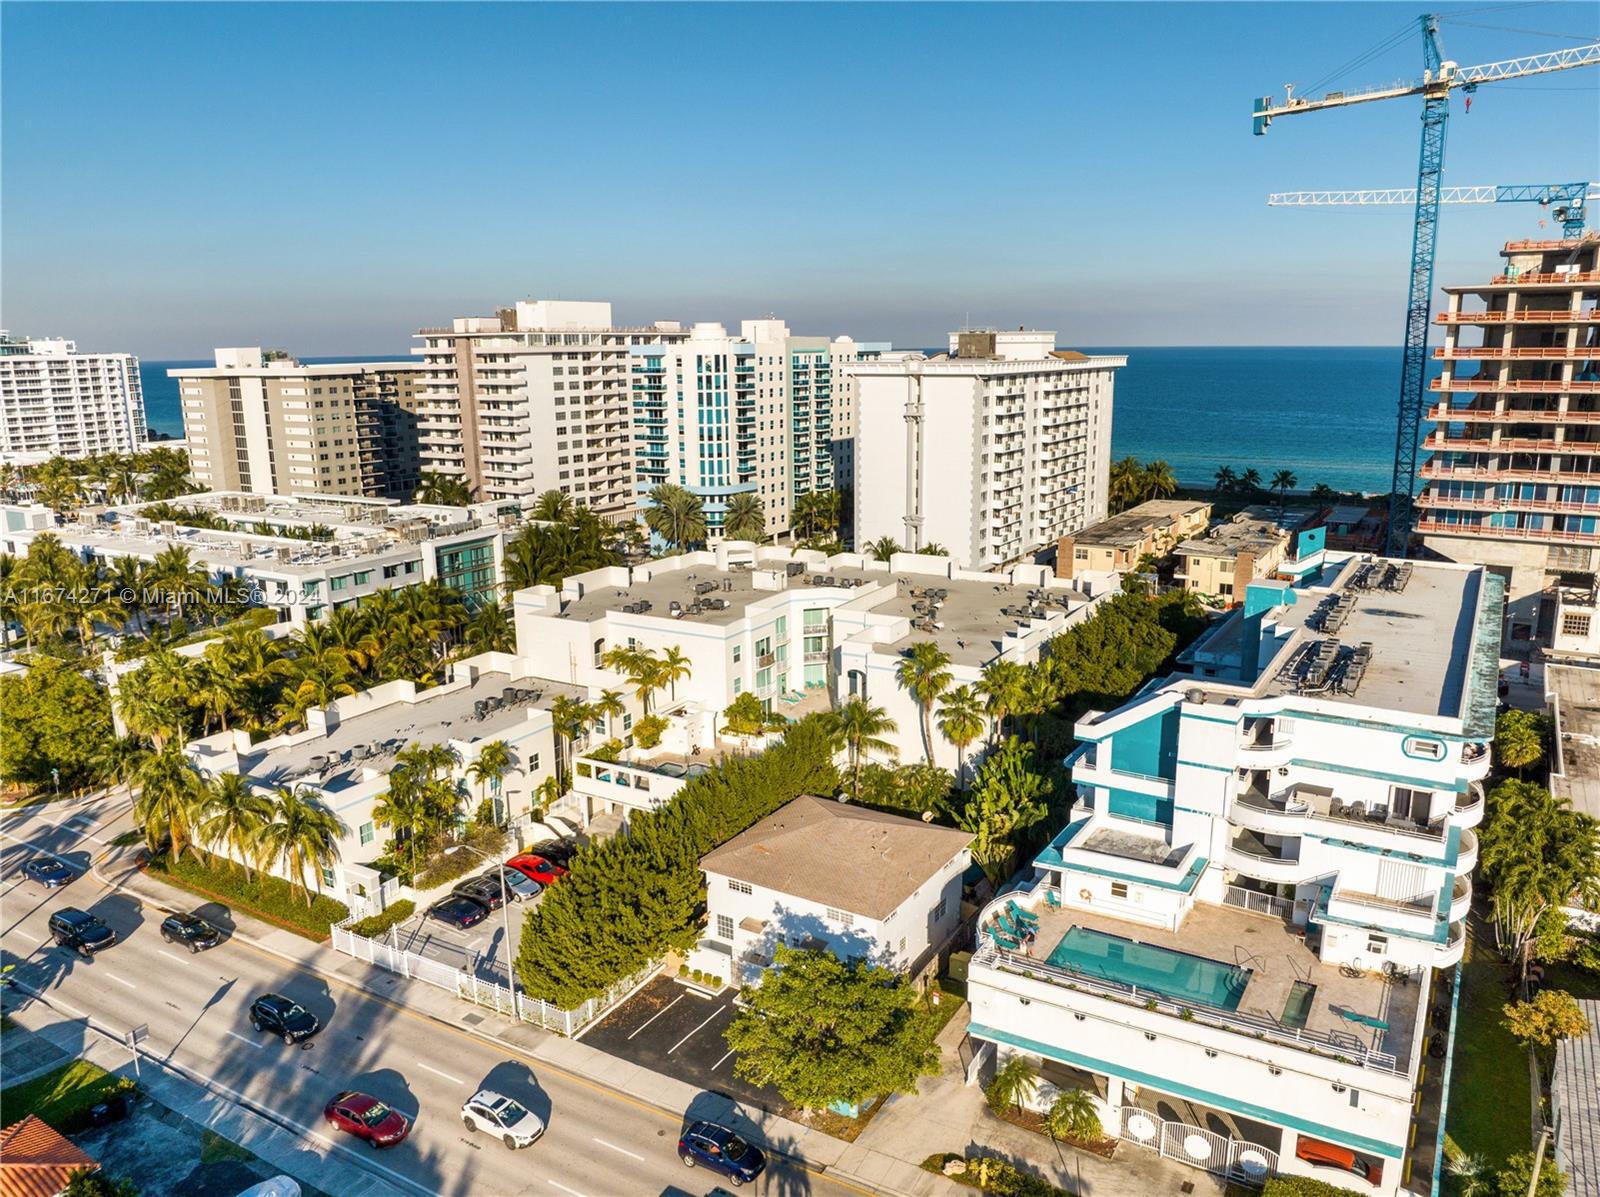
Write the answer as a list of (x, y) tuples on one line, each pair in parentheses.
[(261, 422), (1230, 556), (1117, 544)]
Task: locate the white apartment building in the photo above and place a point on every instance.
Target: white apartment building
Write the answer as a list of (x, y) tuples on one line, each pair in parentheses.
[(800, 631), (993, 451), (262, 422), (1236, 939), (57, 402), (828, 876), (537, 397)]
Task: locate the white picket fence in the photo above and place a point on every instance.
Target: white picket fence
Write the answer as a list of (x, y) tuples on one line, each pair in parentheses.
[(470, 988)]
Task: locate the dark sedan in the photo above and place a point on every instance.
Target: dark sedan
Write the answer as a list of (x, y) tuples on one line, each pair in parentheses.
[(48, 872), (190, 930), (365, 1117), (459, 912)]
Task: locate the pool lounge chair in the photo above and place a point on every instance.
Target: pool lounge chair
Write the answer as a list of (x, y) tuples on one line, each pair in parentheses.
[(1002, 940), (1052, 899), (1021, 917)]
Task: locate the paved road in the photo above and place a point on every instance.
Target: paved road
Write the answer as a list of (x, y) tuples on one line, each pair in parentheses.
[(600, 1143)]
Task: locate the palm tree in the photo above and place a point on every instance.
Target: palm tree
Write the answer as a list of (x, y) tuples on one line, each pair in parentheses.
[(1014, 1082), (883, 548), (232, 814), (1283, 482), (120, 758), (1073, 1116), (1159, 480), (609, 707), (553, 507), (170, 794), (1002, 687), (1250, 481), (445, 490), (816, 512), (1226, 480), (961, 722), (745, 517), (100, 605), (569, 718), (642, 668), (10, 602), (934, 550), (403, 811), (155, 700), (1323, 493), (675, 667), (676, 515), (259, 668), (492, 763), (861, 728), (128, 576), (174, 572), (301, 832), (1126, 485), (925, 674), (218, 689), (490, 629)]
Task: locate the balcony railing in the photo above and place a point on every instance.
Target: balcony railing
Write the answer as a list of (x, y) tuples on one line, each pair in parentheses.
[(1534, 316)]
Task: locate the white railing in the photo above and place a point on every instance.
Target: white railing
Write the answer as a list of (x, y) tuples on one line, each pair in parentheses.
[(1237, 1159), (467, 986), (1255, 902), (1343, 1047)]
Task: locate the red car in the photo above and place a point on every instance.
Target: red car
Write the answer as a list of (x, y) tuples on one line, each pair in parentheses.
[(537, 868), (365, 1117)]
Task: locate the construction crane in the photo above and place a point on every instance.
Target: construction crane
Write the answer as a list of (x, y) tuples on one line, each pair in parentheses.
[(1439, 78), (1566, 201)]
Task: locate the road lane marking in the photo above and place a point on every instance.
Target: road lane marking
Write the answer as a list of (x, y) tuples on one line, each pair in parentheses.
[(27, 843), (120, 980), (691, 1034), (725, 1055), (25, 934), (618, 1150), (169, 955), (454, 1080), (657, 1014), (564, 1188), (255, 1043)]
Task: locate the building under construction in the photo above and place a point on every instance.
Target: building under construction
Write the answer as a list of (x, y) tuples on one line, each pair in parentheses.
[(1513, 480)]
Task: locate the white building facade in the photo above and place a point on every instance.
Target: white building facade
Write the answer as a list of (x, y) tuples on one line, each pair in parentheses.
[(56, 401), (992, 451), (1235, 940)]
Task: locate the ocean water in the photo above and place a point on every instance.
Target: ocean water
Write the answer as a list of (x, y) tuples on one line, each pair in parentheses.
[(1326, 414)]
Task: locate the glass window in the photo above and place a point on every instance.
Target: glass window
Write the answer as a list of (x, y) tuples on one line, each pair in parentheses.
[(724, 926), (738, 653), (739, 887), (363, 577), (1119, 889), (339, 583), (843, 917), (783, 625), (367, 833)]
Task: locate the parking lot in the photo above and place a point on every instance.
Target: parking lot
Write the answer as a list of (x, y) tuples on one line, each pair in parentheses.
[(671, 1029), (479, 950)]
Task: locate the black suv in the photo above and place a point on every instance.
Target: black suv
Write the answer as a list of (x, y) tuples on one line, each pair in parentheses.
[(191, 930), (486, 890), (81, 932), (283, 1016)]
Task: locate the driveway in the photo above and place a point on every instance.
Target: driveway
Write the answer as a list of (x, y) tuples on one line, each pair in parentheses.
[(479, 950), (670, 1028)]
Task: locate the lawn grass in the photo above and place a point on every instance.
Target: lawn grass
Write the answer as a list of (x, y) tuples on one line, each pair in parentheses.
[(61, 1097), (213, 1147), (1490, 1112), (268, 898)]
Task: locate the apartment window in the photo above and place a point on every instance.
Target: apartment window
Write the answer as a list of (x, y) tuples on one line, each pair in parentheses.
[(327, 877), (368, 833), (339, 583), (363, 577), (738, 652), (1080, 554), (739, 887), (533, 762), (725, 926), (843, 917), (1574, 625), (938, 911), (1119, 889)]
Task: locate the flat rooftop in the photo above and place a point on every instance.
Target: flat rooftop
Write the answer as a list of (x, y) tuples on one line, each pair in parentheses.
[(1576, 776), (1252, 530), (1128, 528), (972, 615), (373, 738)]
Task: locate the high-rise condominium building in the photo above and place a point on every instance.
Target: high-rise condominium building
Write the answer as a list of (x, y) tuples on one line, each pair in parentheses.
[(55, 401), (991, 451), (536, 398), (720, 415), (1514, 477), (264, 423)]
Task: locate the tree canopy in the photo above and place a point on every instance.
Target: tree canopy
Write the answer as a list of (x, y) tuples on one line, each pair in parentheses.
[(55, 717), (1537, 853)]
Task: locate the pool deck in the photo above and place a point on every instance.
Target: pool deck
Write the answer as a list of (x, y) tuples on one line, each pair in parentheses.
[(1276, 958)]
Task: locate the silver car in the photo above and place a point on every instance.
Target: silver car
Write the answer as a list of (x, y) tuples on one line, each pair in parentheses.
[(521, 886), (496, 1114)]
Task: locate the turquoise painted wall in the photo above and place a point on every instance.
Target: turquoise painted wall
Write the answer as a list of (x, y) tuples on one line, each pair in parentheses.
[(1141, 806), (1149, 747)]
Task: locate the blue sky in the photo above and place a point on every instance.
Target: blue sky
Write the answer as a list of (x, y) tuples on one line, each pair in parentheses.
[(329, 178)]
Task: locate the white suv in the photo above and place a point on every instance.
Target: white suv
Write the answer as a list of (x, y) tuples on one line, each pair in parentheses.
[(496, 1114)]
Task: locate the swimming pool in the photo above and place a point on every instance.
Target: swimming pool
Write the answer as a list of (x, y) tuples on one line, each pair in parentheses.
[(1177, 975)]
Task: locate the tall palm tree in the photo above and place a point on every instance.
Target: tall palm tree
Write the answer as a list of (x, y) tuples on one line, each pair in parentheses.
[(569, 719), (1126, 484), (745, 517), (127, 576), (1250, 481), (301, 832), (644, 670), (259, 667), (816, 512), (1226, 480), (675, 667), (883, 548), (1001, 687), (492, 763), (175, 572), (156, 700), (443, 489), (218, 689), (232, 814), (924, 672), (402, 809), (961, 722), (676, 515), (100, 605), (610, 707), (170, 796), (120, 758), (10, 601), (862, 729), (553, 507), (1283, 482), (1159, 480), (490, 629)]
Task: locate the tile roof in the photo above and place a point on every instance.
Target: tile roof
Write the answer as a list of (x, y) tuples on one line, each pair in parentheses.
[(37, 1161), (844, 856)]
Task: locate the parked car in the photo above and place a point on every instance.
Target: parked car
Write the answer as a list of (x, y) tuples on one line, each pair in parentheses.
[(365, 1117), (459, 912), (707, 1145), (537, 868), (558, 852), (486, 890), (522, 886), (48, 872), (190, 930), (496, 1114), (283, 1016), (278, 1186), (80, 932)]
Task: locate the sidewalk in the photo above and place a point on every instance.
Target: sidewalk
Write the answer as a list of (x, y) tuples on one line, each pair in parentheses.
[(885, 1169)]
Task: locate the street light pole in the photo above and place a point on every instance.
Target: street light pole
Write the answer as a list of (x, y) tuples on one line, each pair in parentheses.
[(505, 916)]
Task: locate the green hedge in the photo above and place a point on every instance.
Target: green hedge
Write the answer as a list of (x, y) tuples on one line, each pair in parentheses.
[(998, 1176), (63, 1097), (629, 899), (268, 898), (1304, 1186), (398, 912)]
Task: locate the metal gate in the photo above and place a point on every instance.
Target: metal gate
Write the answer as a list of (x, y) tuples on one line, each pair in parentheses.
[(1236, 1159)]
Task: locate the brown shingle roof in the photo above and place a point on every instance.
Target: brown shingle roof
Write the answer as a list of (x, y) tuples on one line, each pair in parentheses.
[(843, 856), (36, 1161)]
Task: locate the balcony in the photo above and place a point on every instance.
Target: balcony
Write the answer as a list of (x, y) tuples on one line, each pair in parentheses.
[(1435, 528), (1488, 353), (1561, 278), (1527, 386), (1460, 899), (1264, 746), (1536, 316), (1469, 806), (1444, 413), (1449, 444), (1467, 852), (1455, 946), (1252, 855)]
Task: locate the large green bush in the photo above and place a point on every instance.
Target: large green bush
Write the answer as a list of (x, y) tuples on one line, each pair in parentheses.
[(376, 925), (992, 1175), (55, 717), (629, 899), (1303, 1186), (268, 898)]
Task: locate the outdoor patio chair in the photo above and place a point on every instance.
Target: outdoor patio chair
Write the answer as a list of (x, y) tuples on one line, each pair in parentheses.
[(1002, 940), (1020, 916), (1052, 899)]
